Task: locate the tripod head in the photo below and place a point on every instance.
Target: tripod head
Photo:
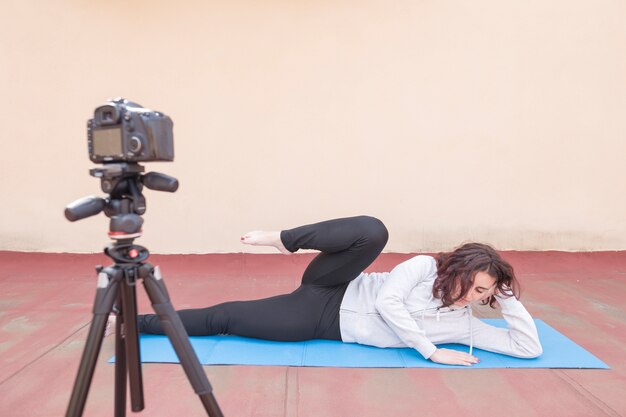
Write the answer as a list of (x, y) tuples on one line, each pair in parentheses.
[(125, 205)]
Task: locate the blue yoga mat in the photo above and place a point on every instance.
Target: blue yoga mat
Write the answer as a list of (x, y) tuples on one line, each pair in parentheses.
[(558, 352)]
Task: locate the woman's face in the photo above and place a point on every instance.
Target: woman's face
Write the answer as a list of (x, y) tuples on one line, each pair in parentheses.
[(483, 287)]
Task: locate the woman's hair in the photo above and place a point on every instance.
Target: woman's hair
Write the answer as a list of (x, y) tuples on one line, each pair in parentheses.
[(456, 271)]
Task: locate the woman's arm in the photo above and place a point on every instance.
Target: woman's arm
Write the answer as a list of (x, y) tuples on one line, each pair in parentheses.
[(390, 302), (520, 339)]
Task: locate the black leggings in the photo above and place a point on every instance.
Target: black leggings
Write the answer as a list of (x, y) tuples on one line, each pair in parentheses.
[(347, 247)]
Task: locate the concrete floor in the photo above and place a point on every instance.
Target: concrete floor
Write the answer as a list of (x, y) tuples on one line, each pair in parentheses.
[(45, 309)]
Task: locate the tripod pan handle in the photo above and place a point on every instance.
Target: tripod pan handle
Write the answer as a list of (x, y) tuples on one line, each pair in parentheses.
[(84, 207)]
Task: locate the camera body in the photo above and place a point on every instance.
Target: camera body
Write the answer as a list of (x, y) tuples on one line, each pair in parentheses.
[(123, 131)]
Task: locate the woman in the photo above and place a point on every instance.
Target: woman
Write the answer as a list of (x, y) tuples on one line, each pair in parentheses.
[(422, 301)]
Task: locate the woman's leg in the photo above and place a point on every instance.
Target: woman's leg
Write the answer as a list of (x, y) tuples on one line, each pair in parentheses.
[(289, 317), (348, 246)]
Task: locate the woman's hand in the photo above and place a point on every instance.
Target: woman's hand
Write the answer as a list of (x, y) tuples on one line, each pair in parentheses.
[(506, 292), (453, 357)]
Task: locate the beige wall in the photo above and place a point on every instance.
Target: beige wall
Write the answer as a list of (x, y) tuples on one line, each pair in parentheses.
[(450, 120)]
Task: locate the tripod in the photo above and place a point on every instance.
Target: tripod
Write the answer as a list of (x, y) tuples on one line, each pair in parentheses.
[(116, 292)]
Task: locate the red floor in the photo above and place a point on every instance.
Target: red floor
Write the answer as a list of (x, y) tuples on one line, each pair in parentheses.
[(45, 304)]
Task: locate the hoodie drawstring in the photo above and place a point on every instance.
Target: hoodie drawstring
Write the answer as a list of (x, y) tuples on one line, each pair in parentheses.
[(469, 316)]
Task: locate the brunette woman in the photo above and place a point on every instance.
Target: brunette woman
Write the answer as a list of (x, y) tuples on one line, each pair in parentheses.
[(422, 302)]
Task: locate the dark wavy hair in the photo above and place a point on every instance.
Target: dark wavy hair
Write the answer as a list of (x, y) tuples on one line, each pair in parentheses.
[(457, 269)]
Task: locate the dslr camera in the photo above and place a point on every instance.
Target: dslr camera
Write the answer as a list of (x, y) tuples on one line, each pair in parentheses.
[(123, 131)]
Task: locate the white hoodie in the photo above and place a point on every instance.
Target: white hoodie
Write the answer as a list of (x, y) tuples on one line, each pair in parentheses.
[(397, 309)]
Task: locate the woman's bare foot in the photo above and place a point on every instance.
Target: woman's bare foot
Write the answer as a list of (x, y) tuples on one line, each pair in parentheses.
[(260, 238)]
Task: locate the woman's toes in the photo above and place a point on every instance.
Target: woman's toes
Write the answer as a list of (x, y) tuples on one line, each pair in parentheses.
[(250, 238)]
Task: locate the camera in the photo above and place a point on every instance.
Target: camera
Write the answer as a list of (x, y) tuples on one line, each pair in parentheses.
[(123, 131)]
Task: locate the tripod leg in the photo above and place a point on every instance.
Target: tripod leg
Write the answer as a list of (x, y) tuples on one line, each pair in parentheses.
[(108, 283), (131, 339), (120, 364), (173, 327)]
